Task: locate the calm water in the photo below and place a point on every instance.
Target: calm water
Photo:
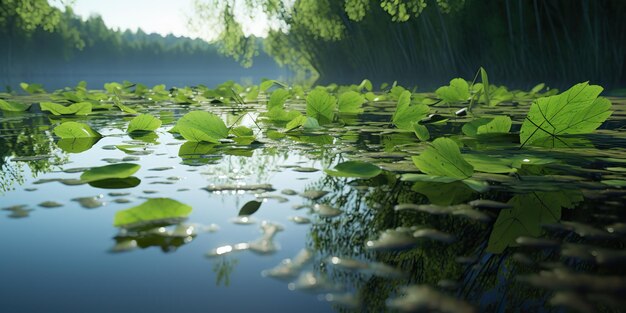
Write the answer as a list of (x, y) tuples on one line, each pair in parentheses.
[(61, 259)]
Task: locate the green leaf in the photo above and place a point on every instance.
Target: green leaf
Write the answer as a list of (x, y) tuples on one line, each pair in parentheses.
[(487, 164), (151, 211), (191, 149), (406, 114), (295, 123), (310, 123), (13, 106), (529, 213), (77, 145), (249, 208), (351, 102), (443, 158), (116, 183), (121, 106), (421, 132), (265, 85), (537, 88), (277, 99), (485, 80), (578, 110), (280, 115), (119, 170), (367, 84), (497, 125), (242, 131), (70, 130), (32, 88), (144, 122), (444, 193), (321, 106), (80, 108), (483, 126), (457, 91), (202, 126), (354, 169)]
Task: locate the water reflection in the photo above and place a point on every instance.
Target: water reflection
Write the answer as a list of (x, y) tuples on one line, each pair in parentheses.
[(548, 233)]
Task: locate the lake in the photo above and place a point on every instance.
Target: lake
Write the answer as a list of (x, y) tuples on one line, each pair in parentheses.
[(271, 231)]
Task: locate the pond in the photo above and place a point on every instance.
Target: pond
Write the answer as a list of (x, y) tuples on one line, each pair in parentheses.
[(150, 221)]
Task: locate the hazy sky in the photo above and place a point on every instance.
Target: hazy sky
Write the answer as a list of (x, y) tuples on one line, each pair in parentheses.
[(152, 16)]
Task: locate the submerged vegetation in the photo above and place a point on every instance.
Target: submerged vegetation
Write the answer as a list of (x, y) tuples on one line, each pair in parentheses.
[(415, 187)]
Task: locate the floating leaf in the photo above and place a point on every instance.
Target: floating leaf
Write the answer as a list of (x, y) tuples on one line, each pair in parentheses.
[(421, 132), (242, 131), (144, 122), (120, 170), (80, 108), (406, 114), (32, 88), (13, 106), (202, 126), (321, 106), (354, 169), (578, 110), (249, 208), (487, 164), (267, 84), (365, 84), (277, 99), (529, 213), (295, 123), (77, 145), (443, 158), (351, 102), (151, 211), (71, 130), (457, 91), (116, 183)]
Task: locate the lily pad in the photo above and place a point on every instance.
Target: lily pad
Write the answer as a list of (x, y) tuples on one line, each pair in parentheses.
[(120, 170), (202, 126), (80, 108), (13, 106), (443, 158), (321, 106), (152, 211), (144, 122), (351, 102), (72, 130), (354, 169)]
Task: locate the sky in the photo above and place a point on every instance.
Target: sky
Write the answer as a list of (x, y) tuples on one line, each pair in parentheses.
[(153, 16)]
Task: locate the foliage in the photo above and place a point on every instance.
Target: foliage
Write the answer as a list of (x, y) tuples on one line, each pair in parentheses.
[(202, 126), (152, 211), (144, 122), (406, 114), (71, 130), (578, 110), (13, 106), (443, 158), (354, 169), (120, 170), (321, 106), (80, 108)]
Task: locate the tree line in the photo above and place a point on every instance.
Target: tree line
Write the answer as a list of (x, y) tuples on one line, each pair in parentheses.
[(425, 42)]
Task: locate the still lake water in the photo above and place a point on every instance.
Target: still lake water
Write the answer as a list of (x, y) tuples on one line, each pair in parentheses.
[(63, 259)]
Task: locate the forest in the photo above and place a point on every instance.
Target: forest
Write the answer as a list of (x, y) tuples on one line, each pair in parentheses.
[(51, 42)]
